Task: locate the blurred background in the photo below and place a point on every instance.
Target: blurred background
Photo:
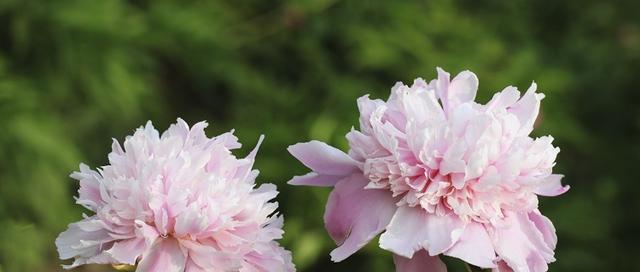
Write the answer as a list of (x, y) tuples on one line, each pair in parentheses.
[(75, 73)]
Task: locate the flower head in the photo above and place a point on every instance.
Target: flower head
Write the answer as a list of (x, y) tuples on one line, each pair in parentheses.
[(179, 201), (441, 173)]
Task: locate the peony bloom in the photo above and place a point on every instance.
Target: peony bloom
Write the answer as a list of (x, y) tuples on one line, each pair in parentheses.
[(441, 174), (179, 201)]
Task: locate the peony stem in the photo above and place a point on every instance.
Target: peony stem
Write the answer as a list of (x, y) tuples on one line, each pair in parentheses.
[(124, 267)]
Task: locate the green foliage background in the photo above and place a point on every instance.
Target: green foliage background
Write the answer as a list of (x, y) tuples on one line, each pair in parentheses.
[(74, 73)]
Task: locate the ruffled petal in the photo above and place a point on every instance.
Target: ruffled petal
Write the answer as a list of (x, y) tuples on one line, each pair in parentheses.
[(245, 169), (149, 233), (127, 251), (366, 107), (474, 247), (420, 262), (210, 259), (89, 191), (363, 146), (521, 244), (502, 267), (422, 105), (545, 227), (84, 241), (461, 89), (275, 259), (504, 99), (527, 109), (355, 215), (190, 266), (412, 229), (164, 255)]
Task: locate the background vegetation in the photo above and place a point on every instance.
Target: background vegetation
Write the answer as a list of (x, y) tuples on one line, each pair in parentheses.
[(74, 73)]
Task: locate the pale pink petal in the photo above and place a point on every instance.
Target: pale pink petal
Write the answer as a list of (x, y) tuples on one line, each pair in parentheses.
[(366, 107), (191, 221), (245, 168), (315, 179), (442, 88), (355, 215), (273, 258), (89, 191), (422, 105), (551, 186), (521, 245), (127, 251), (385, 132), (502, 267), (454, 92), (527, 109), (190, 266), (421, 262), (364, 146), (323, 158), (180, 129), (412, 229), (443, 232), (504, 99), (544, 225), (474, 247), (462, 88), (210, 259), (149, 233), (165, 255), (83, 241)]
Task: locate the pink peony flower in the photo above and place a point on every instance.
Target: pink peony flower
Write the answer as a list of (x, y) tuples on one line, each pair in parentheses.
[(441, 174), (179, 201)]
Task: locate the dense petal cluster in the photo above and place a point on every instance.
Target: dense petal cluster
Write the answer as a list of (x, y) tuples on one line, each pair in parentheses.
[(442, 174), (179, 201)]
